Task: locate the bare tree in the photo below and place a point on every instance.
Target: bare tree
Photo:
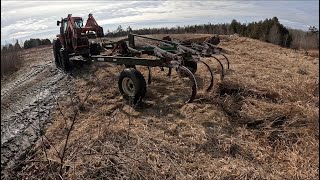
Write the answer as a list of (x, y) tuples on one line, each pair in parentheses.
[(274, 35)]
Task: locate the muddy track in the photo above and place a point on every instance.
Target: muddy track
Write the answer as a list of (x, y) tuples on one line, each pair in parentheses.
[(26, 105)]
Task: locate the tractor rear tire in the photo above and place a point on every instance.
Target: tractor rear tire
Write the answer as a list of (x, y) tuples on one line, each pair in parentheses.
[(132, 85), (56, 47), (64, 60)]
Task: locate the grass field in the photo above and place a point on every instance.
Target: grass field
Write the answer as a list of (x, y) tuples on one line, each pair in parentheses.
[(260, 122)]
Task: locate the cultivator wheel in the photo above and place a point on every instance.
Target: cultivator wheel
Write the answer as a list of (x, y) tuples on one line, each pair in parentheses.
[(56, 47), (132, 85)]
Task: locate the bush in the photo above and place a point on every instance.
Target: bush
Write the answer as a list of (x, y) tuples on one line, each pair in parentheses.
[(11, 58), (304, 40), (35, 43), (45, 42)]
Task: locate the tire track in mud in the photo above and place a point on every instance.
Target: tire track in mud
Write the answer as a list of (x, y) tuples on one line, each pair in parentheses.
[(21, 80), (26, 106)]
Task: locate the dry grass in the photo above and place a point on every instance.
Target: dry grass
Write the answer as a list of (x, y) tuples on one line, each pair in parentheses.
[(21, 60), (11, 60), (261, 122)]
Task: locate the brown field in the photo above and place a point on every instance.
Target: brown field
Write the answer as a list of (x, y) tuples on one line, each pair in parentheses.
[(260, 122)]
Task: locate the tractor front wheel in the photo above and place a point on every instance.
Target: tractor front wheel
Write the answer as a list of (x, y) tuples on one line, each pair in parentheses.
[(56, 47), (132, 85), (95, 49), (64, 60)]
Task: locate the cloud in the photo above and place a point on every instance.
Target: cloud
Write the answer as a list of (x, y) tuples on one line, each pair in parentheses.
[(26, 19)]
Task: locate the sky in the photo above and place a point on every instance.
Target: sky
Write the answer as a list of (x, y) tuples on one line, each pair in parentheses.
[(37, 19)]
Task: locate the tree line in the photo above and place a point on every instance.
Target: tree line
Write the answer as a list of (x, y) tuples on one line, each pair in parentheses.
[(35, 43), (270, 30), (11, 47), (31, 43)]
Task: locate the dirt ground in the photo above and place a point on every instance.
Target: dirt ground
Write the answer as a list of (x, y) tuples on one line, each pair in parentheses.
[(27, 100), (260, 122)]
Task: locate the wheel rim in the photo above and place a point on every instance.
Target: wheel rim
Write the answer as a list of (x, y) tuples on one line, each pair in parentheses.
[(128, 86)]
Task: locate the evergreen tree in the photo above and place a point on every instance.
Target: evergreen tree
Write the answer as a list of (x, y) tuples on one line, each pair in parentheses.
[(17, 45)]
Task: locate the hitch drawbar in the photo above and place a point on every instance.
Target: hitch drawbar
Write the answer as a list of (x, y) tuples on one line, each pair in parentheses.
[(128, 60)]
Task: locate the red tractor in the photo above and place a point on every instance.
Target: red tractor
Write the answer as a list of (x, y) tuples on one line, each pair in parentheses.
[(73, 40)]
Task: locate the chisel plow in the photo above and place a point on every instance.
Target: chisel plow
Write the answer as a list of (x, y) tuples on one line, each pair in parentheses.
[(182, 57)]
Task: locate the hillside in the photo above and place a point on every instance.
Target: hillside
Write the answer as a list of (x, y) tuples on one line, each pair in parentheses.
[(260, 122)]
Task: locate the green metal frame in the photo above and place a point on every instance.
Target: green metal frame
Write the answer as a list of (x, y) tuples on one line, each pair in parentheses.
[(160, 62)]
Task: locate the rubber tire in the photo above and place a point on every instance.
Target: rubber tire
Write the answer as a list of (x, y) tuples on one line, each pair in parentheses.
[(191, 65), (64, 60), (56, 45), (95, 49), (85, 55), (139, 84), (130, 66)]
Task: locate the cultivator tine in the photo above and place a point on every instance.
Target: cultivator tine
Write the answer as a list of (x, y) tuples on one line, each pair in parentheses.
[(194, 82), (211, 75), (217, 51), (222, 68), (149, 75), (173, 63), (169, 73), (205, 52), (226, 60)]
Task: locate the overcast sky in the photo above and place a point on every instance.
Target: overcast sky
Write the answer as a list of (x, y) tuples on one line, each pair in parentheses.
[(37, 19)]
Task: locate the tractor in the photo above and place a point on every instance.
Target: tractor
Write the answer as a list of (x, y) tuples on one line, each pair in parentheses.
[(73, 40)]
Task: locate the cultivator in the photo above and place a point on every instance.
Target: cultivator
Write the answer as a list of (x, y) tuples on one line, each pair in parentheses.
[(181, 56), (188, 52)]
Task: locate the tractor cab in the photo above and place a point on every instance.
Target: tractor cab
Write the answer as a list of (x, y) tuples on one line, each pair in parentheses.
[(64, 24), (78, 21)]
